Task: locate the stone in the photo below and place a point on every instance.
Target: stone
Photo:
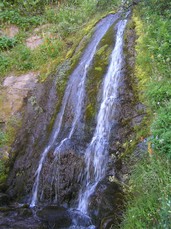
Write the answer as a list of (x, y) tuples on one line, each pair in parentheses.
[(55, 217), (4, 199), (11, 31), (14, 91), (16, 218), (34, 41)]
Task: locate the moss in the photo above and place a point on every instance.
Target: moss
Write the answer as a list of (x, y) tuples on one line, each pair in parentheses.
[(61, 82), (136, 88), (96, 73)]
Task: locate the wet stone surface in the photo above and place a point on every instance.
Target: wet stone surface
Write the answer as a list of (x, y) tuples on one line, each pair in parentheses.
[(51, 217)]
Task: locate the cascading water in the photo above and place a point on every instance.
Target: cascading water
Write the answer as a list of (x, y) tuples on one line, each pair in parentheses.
[(96, 154), (76, 85)]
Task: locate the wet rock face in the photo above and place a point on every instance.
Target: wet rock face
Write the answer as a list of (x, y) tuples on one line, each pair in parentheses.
[(40, 106), (4, 199), (61, 218), (19, 218), (60, 178), (106, 204), (55, 217)]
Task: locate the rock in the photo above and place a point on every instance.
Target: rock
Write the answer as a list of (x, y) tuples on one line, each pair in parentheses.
[(3, 187), (34, 41), (15, 90), (31, 138), (24, 212), (11, 31), (23, 82), (59, 218), (42, 28), (4, 199), (107, 202), (62, 174), (55, 217), (4, 153), (13, 218)]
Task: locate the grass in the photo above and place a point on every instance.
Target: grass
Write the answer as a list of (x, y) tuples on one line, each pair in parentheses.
[(149, 198), (62, 28)]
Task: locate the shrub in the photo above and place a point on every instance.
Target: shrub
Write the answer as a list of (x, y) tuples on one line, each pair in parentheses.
[(7, 43)]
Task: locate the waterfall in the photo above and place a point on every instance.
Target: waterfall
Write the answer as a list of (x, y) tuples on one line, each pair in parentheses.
[(73, 97), (96, 154)]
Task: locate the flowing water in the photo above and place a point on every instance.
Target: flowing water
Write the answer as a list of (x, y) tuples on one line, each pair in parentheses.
[(73, 100), (96, 155)]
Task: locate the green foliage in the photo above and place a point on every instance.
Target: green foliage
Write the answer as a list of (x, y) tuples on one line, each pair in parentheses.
[(21, 58), (154, 65), (3, 138), (64, 22), (70, 18), (7, 43), (11, 16), (4, 64), (31, 7), (101, 4), (161, 129), (158, 93), (149, 198), (2, 171), (162, 7)]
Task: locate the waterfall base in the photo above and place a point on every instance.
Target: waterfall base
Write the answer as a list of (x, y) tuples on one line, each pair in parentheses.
[(20, 217)]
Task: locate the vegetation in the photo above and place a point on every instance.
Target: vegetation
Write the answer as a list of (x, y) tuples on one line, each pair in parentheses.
[(58, 25), (149, 200)]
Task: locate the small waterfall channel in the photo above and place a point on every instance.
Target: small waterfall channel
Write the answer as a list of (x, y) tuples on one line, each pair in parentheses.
[(96, 154), (73, 100), (66, 184)]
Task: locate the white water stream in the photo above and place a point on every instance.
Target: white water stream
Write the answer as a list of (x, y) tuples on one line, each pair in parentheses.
[(74, 96), (96, 155)]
